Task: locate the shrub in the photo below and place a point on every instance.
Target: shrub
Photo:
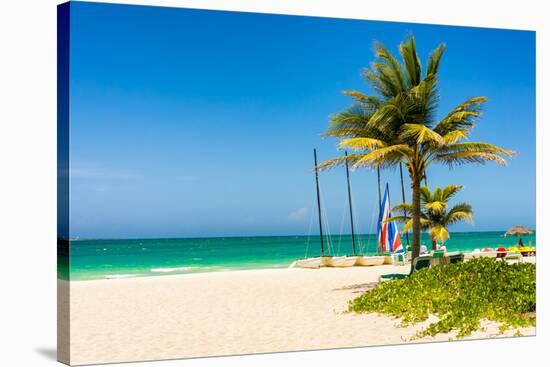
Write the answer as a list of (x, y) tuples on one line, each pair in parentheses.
[(460, 295)]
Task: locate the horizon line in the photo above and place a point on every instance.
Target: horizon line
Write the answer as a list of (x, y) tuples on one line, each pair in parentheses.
[(78, 238)]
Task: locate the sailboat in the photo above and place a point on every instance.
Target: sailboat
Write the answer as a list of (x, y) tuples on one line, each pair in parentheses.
[(388, 236), (316, 262), (346, 261), (389, 240)]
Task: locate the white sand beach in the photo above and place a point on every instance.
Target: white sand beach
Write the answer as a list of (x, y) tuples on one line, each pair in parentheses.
[(225, 313)]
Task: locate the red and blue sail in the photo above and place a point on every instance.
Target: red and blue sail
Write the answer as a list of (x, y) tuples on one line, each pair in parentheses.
[(388, 235)]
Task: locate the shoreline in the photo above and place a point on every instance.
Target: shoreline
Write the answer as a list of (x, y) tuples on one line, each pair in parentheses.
[(229, 313), (151, 273), (156, 274), (100, 259)]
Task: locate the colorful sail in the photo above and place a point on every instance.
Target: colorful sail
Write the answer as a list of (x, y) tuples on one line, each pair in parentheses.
[(388, 235)]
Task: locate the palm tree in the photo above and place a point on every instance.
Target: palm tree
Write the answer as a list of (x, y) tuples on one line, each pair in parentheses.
[(397, 124), (435, 216)]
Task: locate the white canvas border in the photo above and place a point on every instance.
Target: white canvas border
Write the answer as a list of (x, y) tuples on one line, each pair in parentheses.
[(27, 194)]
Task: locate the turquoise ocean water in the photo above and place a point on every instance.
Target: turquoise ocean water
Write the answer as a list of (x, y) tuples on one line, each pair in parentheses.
[(118, 258)]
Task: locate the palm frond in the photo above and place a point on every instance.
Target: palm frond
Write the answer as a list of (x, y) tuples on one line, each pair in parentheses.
[(462, 116), (473, 147), (455, 136), (459, 212), (472, 152), (351, 159), (439, 233), (406, 208), (389, 118), (423, 102), (380, 81), (424, 225), (394, 68), (351, 122), (366, 101), (436, 207), (421, 134), (411, 61), (384, 157), (361, 143), (461, 207), (407, 226), (460, 158), (425, 194), (434, 59), (455, 217), (449, 191), (398, 218)]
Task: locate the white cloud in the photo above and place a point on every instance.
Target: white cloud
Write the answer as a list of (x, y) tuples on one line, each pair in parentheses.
[(298, 215)]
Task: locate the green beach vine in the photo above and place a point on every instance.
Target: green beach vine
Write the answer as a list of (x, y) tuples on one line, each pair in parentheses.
[(459, 295)]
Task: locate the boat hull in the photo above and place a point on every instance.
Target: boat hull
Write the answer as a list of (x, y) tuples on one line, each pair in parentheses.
[(340, 261), (369, 260), (309, 263)]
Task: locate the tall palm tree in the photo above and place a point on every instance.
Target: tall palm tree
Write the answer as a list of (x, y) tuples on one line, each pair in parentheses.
[(398, 123), (435, 216)]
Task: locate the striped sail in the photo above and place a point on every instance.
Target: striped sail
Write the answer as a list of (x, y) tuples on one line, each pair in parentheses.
[(388, 235)]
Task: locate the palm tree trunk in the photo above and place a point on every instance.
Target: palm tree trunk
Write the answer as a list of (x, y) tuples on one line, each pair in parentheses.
[(415, 183), (434, 244), (403, 197)]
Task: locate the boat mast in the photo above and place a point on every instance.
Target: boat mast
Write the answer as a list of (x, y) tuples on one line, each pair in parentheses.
[(379, 200), (350, 207), (318, 202), (379, 191)]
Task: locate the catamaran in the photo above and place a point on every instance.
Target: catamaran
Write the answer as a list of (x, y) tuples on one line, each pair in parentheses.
[(388, 235), (350, 260), (389, 240), (316, 262)]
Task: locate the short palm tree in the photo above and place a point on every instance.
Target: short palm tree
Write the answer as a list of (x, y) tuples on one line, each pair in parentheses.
[(435, 215), (397, 124)]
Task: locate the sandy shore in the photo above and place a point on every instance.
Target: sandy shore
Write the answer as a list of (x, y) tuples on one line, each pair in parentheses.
[(224, 313)]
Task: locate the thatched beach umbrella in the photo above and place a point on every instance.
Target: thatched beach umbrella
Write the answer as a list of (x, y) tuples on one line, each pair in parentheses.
[(518, 231)]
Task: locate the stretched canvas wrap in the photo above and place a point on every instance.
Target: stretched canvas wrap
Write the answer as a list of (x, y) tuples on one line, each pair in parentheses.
[(233, 183)]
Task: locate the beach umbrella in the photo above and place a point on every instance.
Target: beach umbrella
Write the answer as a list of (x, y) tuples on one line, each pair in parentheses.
[(518, 231)]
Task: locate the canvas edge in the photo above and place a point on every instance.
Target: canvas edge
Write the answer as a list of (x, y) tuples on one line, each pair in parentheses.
[(63, 157)]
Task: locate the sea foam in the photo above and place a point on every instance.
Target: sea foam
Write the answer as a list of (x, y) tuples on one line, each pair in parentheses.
[(118, 276), (169, 270)]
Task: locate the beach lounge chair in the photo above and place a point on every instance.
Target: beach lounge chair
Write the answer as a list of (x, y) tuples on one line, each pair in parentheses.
[(501, 253), (438, 257), (417, 264), (527, 251), (456, 258)]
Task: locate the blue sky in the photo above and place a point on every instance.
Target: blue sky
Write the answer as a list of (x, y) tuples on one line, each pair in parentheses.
[(202, 123)]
